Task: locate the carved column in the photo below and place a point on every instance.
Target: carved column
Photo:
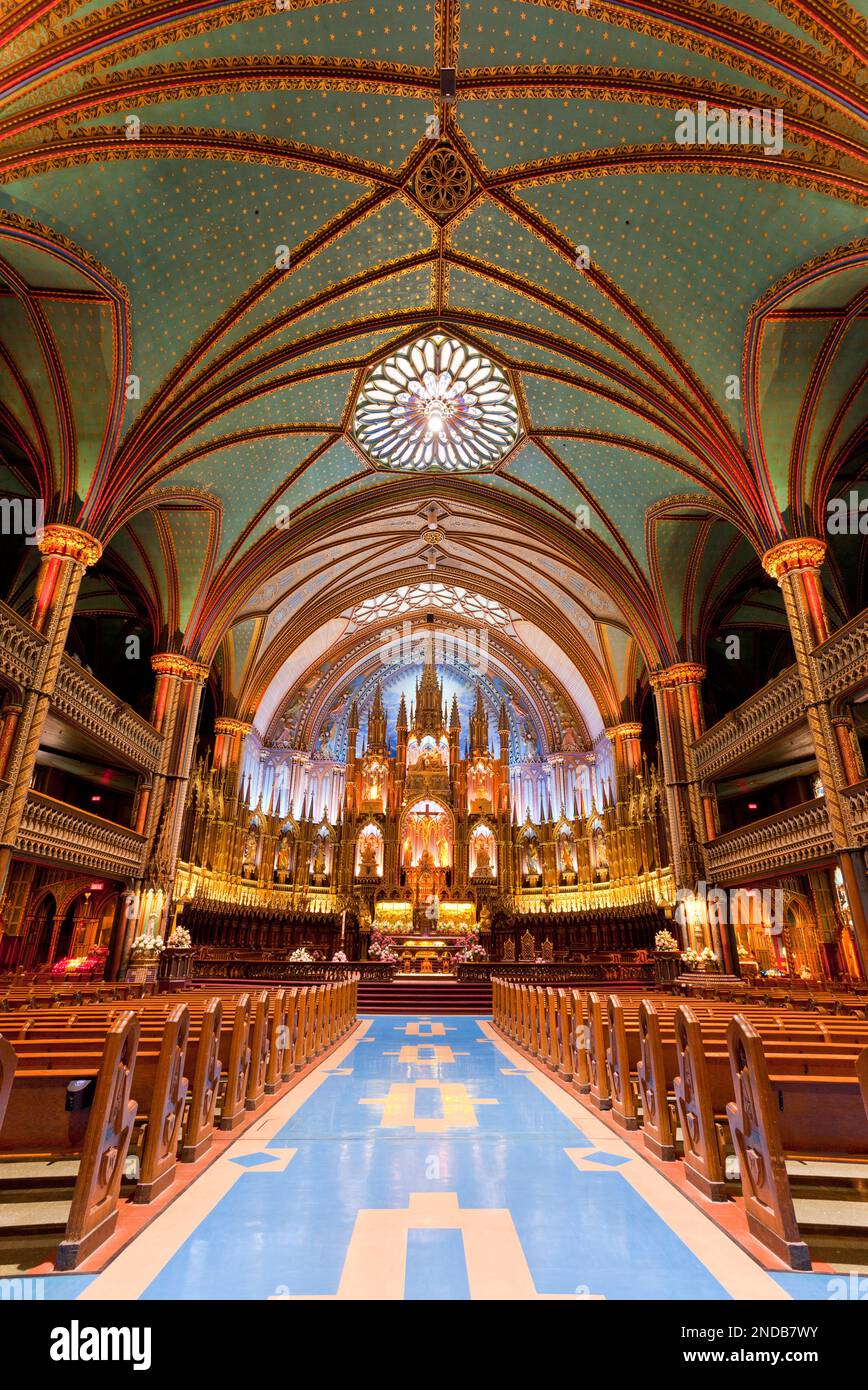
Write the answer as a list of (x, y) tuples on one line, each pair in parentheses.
[(160, 814), (66, 554), (230, 738), (627, 754), (796, 565), (229, 750), (680, 722)]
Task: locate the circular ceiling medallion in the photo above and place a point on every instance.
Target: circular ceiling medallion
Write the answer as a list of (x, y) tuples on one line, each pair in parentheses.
[(436, 404), (443, 182)]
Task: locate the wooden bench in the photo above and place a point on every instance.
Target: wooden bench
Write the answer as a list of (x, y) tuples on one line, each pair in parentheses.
[(772, 1117), (98, 1135), (692, 1077)]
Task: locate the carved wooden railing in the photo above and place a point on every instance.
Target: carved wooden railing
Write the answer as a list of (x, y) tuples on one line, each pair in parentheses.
[(20, 646), (789, 839), (82, 700), (78, 696), (624, 971), (52, 830), (773, 711), (856, 798), (841, 663), (241, 968)]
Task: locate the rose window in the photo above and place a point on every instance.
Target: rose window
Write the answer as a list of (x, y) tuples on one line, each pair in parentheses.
[(437, 404)]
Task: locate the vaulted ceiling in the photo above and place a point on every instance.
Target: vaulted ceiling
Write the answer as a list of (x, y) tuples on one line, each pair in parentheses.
[(215, 219)]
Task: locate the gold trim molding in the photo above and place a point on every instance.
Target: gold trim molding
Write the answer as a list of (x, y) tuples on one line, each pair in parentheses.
[(683, 673), (232, 726), (68, 543), (800, 553), (625, 731), (183, 667)]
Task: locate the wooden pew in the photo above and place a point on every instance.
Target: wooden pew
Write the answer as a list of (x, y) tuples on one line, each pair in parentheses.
[(99, 1135), (199, 1126), (159, 1085), (658, 1116), (8, 1063), (764, 1129)]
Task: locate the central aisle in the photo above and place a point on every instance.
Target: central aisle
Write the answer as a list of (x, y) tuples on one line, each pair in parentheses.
[(425, 1158)]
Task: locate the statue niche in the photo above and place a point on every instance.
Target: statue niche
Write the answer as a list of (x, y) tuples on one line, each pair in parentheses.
[(248, 853), (369, 844), (483, 854), (283, 858), (567, 859), (319, 861), (532, 865)]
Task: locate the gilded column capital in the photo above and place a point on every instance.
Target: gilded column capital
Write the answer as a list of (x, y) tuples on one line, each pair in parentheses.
[(624, 731), (69, 543), (224, 725), (173, 664), (800, 553), (683, 673)]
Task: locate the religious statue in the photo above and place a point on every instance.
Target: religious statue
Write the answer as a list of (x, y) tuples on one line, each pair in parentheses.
[(528, 742), (283, 854), (319, 860), (326, 745), (483, 859), (568, 863), (368, 855), (533, 865), (248, 855)]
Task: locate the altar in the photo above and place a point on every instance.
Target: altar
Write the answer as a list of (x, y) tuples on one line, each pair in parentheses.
[(425, 939), (426, 958)]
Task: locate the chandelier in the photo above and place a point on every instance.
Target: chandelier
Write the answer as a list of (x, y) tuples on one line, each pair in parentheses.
[(436, 404)]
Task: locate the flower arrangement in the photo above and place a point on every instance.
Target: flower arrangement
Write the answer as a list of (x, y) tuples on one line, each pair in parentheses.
[(690, 957), (380, 948), (469, 953), (301, 956), (708, 956), (147, 945), (180, 940), (665, 941), (339, 958)]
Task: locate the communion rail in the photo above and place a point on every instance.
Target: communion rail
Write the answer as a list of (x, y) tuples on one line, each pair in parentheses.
[(255, 968), (560, 972)]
